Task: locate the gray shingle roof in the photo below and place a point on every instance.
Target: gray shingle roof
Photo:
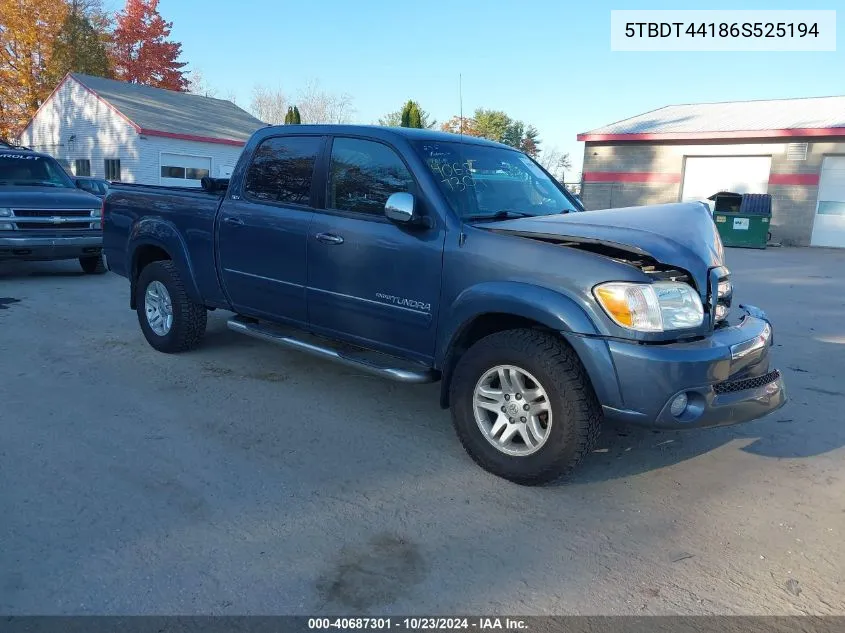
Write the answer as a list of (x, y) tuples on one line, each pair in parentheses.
[(734, 116), (156, 109)]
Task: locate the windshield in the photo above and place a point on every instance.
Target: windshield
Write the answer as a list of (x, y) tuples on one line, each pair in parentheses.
[(484, 182), (24, 170)]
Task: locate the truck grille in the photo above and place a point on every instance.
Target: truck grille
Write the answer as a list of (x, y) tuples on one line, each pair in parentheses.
[(54, 219), (748, 383)]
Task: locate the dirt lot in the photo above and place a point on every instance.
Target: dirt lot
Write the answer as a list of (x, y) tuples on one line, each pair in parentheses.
[(242, 478)]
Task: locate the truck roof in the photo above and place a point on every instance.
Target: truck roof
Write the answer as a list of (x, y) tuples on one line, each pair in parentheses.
[(383, 132)]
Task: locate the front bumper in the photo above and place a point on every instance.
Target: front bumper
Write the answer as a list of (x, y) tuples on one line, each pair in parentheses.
[(726, 376), (38, 248)]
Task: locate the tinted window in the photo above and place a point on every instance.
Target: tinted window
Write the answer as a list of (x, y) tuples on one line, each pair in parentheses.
[(481, 181), (23, 169), (363, 174), (282, 169)]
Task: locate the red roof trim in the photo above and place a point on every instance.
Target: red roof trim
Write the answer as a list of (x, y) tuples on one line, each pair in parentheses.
[(705, 136), (631, 176), (794, 179), (191, 137)]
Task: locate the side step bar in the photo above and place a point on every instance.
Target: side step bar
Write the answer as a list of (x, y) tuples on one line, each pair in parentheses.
[(357, 358)]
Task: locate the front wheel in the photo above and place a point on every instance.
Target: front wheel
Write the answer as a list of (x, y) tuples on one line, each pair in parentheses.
[(170, 320), (523, 406)]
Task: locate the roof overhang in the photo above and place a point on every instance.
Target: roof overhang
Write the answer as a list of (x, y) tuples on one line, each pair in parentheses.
[(190, 137), (135, 126), (708, 136)]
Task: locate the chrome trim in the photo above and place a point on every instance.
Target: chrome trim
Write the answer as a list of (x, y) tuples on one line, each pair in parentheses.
[(422, 375)]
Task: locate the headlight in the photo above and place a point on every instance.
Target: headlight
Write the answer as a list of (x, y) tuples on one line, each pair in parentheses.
[(657, 307), (96, 213), (5, 213)]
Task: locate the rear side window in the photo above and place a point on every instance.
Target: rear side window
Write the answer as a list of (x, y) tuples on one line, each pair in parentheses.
[(282, 169), (363, 174)]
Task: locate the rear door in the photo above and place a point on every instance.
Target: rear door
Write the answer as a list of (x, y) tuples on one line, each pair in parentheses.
[(263, 232), (183, 170), (829, 224), (371, 281)]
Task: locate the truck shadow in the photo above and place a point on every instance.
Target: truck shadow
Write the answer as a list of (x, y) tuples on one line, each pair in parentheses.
[(624, 452), (12, 270)]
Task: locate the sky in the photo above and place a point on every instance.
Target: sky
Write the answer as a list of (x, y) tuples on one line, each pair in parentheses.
[(545, 62)]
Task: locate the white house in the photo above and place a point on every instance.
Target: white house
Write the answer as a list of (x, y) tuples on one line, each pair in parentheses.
[(133, 133)]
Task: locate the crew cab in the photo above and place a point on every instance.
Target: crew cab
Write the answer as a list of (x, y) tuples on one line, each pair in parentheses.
[(422, 256), (43, 215)]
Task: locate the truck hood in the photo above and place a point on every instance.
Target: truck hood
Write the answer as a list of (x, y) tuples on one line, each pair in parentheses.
[(681, 235), (47, 198)]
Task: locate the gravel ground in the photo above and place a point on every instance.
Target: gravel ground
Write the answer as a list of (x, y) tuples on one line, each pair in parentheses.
[(242, 478)]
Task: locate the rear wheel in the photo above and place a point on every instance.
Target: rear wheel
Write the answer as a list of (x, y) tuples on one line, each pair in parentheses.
[(523, 406), (170, 320), (93, 264)]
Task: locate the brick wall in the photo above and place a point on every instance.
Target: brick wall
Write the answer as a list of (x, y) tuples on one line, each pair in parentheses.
[(634, 173)]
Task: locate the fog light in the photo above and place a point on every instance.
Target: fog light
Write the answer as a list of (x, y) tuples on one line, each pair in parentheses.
[(6, 226), (679, 405)]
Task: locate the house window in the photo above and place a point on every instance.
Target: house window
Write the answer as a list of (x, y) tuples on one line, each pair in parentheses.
[(82, 167), (112, 167)]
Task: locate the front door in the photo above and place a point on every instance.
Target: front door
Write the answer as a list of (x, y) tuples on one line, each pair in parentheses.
[(372, 281), (263, 235), (829, 225)]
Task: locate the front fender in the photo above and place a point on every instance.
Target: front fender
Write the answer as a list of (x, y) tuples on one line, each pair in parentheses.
[(152, 231), (552, 308)]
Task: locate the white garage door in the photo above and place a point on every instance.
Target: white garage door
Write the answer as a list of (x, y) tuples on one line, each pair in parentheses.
[(706, 175), (181, 170), (829, 225)]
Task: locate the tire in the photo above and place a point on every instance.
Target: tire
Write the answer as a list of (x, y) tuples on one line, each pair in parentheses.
[(93, 265), (572, 426), (187, 319)]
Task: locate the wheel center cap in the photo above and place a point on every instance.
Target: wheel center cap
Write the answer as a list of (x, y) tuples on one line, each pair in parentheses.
[(513, 408)]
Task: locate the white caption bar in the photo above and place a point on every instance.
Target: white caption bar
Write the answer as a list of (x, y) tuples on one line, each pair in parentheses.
[(746, 30)]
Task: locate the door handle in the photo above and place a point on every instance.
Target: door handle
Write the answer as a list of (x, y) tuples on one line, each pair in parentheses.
[(329, 238), (233, 220)]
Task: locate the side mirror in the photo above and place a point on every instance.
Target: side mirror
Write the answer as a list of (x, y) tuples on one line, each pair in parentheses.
[(400, 207), (78, 184)]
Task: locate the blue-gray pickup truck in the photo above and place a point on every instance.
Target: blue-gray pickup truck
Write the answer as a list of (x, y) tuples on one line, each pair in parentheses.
[(422, 256), (45, 216)]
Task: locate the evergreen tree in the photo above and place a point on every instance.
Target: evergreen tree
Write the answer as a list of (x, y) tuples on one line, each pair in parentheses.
[(405, 120), (297, 119), (414, 117), (289, 116)]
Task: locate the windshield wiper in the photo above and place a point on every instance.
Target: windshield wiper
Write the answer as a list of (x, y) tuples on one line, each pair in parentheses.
[(504, 214)]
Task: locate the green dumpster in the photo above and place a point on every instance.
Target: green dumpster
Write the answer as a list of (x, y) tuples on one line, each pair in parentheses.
[(743, 220)]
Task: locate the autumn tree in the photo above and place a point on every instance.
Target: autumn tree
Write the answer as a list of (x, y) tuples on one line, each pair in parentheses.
[(27, 31), (79, 45), (497, 126), (458, 125), (141, 50)]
